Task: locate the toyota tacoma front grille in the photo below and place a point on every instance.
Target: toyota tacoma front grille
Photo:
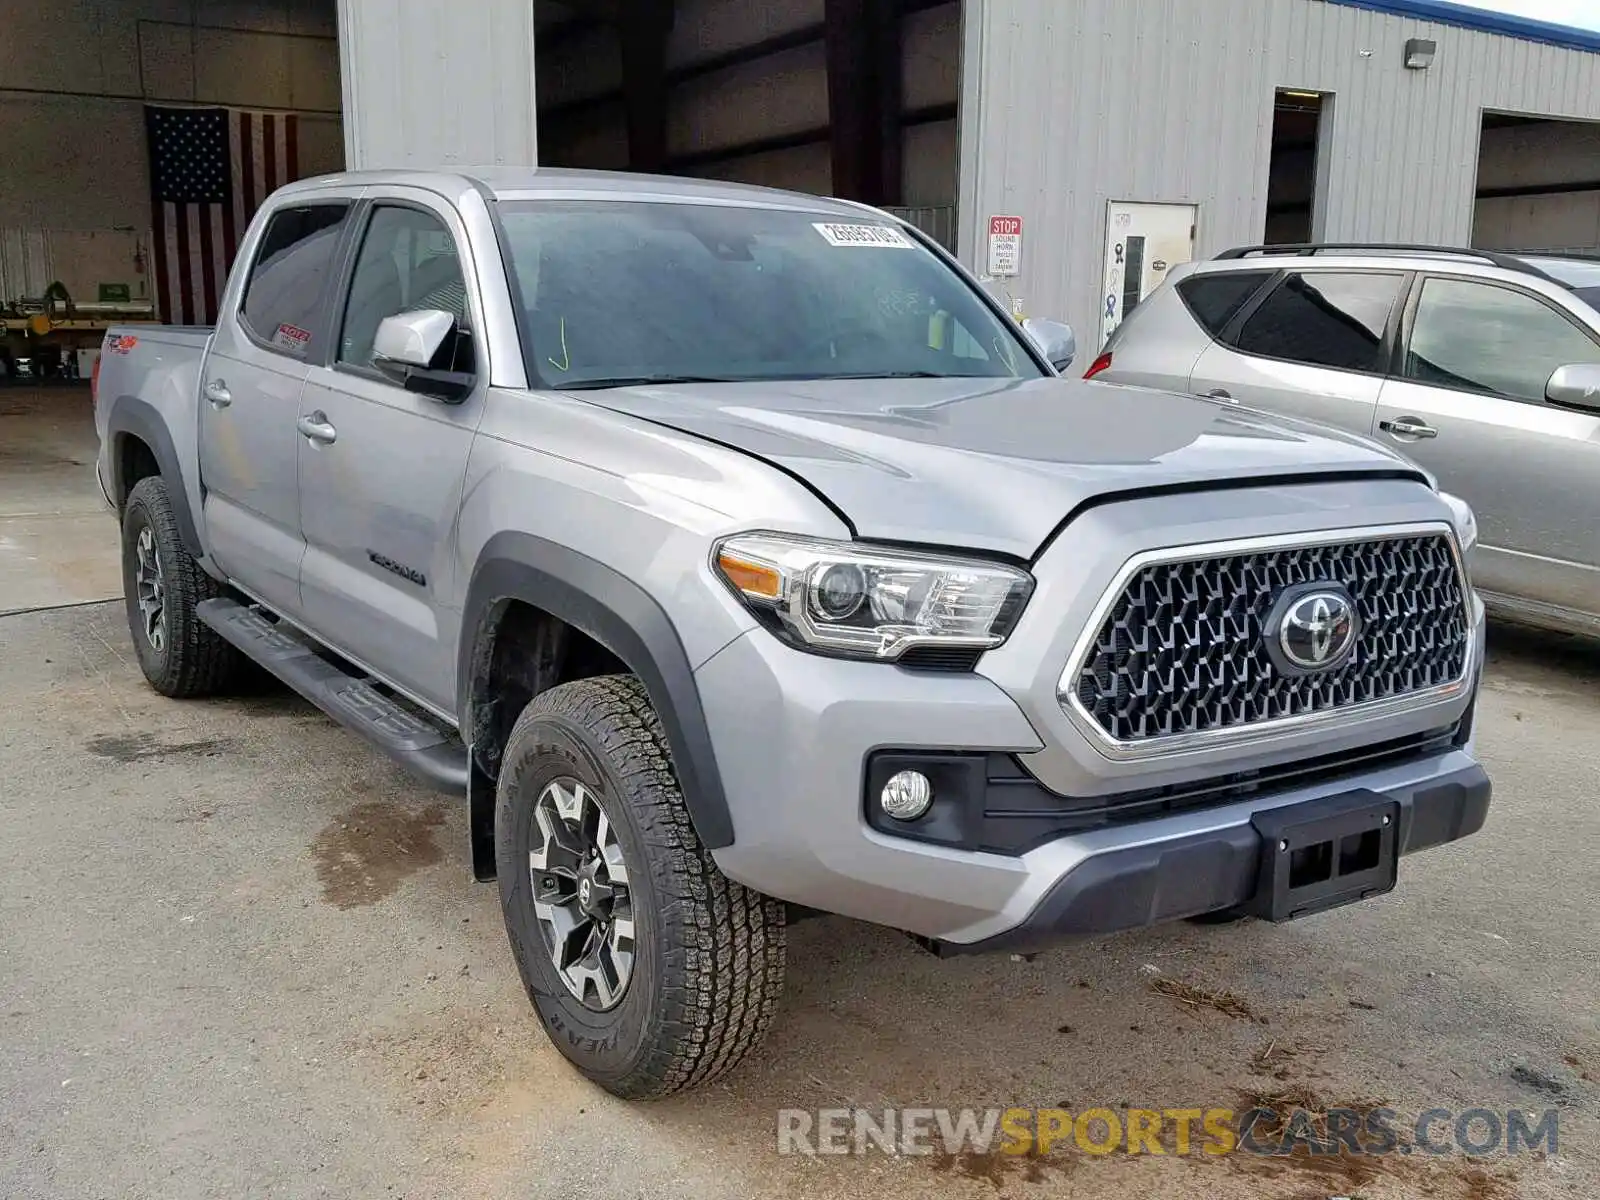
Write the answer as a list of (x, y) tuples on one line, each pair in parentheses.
[(1188, 647)]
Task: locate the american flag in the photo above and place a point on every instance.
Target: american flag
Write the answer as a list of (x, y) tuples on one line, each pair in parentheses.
[(210, 169)]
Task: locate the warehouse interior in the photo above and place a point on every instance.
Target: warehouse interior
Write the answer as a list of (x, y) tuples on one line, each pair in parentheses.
[(855, 98), (75, 204), (1538, 184), (1292, 175)]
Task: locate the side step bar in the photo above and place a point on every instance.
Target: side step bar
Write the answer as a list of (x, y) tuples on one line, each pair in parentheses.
[(411, 739)]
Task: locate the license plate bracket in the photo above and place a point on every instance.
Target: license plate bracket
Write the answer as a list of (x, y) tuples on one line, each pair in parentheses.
[(1325, 853)]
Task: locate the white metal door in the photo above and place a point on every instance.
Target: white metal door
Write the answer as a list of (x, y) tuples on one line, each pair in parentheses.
[(1143, 243)]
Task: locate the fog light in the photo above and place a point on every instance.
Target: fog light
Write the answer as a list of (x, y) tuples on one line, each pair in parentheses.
[(907, 795)]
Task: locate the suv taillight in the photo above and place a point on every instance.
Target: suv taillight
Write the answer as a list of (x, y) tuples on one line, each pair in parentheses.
[(1100, 364), (94, 381)]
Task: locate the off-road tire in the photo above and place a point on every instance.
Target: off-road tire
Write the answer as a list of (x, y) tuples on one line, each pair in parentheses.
[(195, 660), (709, 961)]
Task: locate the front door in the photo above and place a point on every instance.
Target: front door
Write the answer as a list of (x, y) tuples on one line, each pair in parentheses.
[(1315, 346), (379, 500), (250, 402), (1469, 405), (1143, 243)]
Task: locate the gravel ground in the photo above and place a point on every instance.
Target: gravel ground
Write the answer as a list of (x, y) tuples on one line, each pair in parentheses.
[(240, 955)]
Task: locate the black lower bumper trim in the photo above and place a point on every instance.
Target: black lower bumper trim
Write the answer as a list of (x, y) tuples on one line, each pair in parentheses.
[(1209, 872), (990, 802)]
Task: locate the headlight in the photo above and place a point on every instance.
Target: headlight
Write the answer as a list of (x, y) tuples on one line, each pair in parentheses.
[(855, 600), (1466, 523)]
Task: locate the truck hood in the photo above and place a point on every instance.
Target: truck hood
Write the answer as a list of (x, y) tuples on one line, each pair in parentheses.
[(992, 464)]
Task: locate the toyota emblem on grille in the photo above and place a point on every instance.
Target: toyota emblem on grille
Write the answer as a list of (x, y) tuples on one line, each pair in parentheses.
[(1315, 629)]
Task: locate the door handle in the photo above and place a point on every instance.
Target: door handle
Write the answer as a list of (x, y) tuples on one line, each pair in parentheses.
[(315, 426), (218, 394), (1408, 427), (1218, 394)]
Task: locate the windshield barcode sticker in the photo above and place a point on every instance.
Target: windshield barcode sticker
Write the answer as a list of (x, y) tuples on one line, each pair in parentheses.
[(864, 235)]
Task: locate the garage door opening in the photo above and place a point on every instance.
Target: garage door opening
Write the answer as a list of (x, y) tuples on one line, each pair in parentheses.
[(1538, 185), (850, 98), (1292, 191)]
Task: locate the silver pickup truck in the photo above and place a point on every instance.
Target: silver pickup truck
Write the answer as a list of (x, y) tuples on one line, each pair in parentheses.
[(738, 558)]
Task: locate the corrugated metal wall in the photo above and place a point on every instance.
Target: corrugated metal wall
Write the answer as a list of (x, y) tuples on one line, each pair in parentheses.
[(433, 85), (1069, 106)]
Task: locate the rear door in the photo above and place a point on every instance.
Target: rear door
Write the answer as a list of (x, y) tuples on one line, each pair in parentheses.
[(380, 500), (1468, 403), (1315, 345), (250, 384)]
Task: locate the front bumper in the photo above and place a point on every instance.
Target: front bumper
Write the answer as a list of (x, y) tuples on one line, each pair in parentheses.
[(1148, 883), (795, 736)]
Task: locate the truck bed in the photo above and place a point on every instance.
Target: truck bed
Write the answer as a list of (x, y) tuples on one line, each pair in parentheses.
[(157, 367)]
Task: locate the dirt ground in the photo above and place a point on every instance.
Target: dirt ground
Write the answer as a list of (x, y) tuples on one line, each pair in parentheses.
[(242, 955)]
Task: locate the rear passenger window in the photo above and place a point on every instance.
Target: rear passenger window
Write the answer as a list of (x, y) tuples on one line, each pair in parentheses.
[(283, 296), (1213, 299), (1323, 319)]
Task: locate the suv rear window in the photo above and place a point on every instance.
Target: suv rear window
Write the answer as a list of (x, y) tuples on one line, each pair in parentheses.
[(1324, 319), (1214, 298)]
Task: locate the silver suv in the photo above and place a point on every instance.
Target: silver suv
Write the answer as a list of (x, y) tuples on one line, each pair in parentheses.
[(1484, 368)]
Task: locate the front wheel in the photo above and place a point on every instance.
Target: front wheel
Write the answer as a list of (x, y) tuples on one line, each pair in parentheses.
[(650, 970)]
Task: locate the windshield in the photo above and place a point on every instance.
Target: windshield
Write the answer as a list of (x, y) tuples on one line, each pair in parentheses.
[(628, 292)]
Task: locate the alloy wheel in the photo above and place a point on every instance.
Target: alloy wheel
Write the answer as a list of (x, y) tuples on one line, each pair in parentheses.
[(150, 589), (581, 895)]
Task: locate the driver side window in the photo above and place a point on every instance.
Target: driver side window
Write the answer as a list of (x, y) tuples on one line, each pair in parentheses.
[(407, 262)]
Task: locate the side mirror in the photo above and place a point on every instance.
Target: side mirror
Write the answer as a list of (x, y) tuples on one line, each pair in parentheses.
[(1576, 385), (1055, 340), (407, 346)]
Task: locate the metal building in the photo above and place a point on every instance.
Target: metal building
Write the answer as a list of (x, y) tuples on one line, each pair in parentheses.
[(1416, 121)]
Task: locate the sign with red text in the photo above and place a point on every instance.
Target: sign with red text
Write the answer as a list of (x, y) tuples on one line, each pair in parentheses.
[(1005, 246)]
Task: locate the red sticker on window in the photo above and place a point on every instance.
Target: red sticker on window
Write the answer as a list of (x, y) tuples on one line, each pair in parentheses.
[(292, 338), (121, 344)]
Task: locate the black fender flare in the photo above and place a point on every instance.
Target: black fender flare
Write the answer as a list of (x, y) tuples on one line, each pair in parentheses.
[(616, 612), (138, 418)]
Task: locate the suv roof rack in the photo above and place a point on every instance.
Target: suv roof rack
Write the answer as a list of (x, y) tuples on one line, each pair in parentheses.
[(1508, 262), (1563, 255)]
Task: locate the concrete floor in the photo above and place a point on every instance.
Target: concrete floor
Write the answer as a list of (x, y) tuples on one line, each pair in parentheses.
[(58, 543), (242, 955)]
